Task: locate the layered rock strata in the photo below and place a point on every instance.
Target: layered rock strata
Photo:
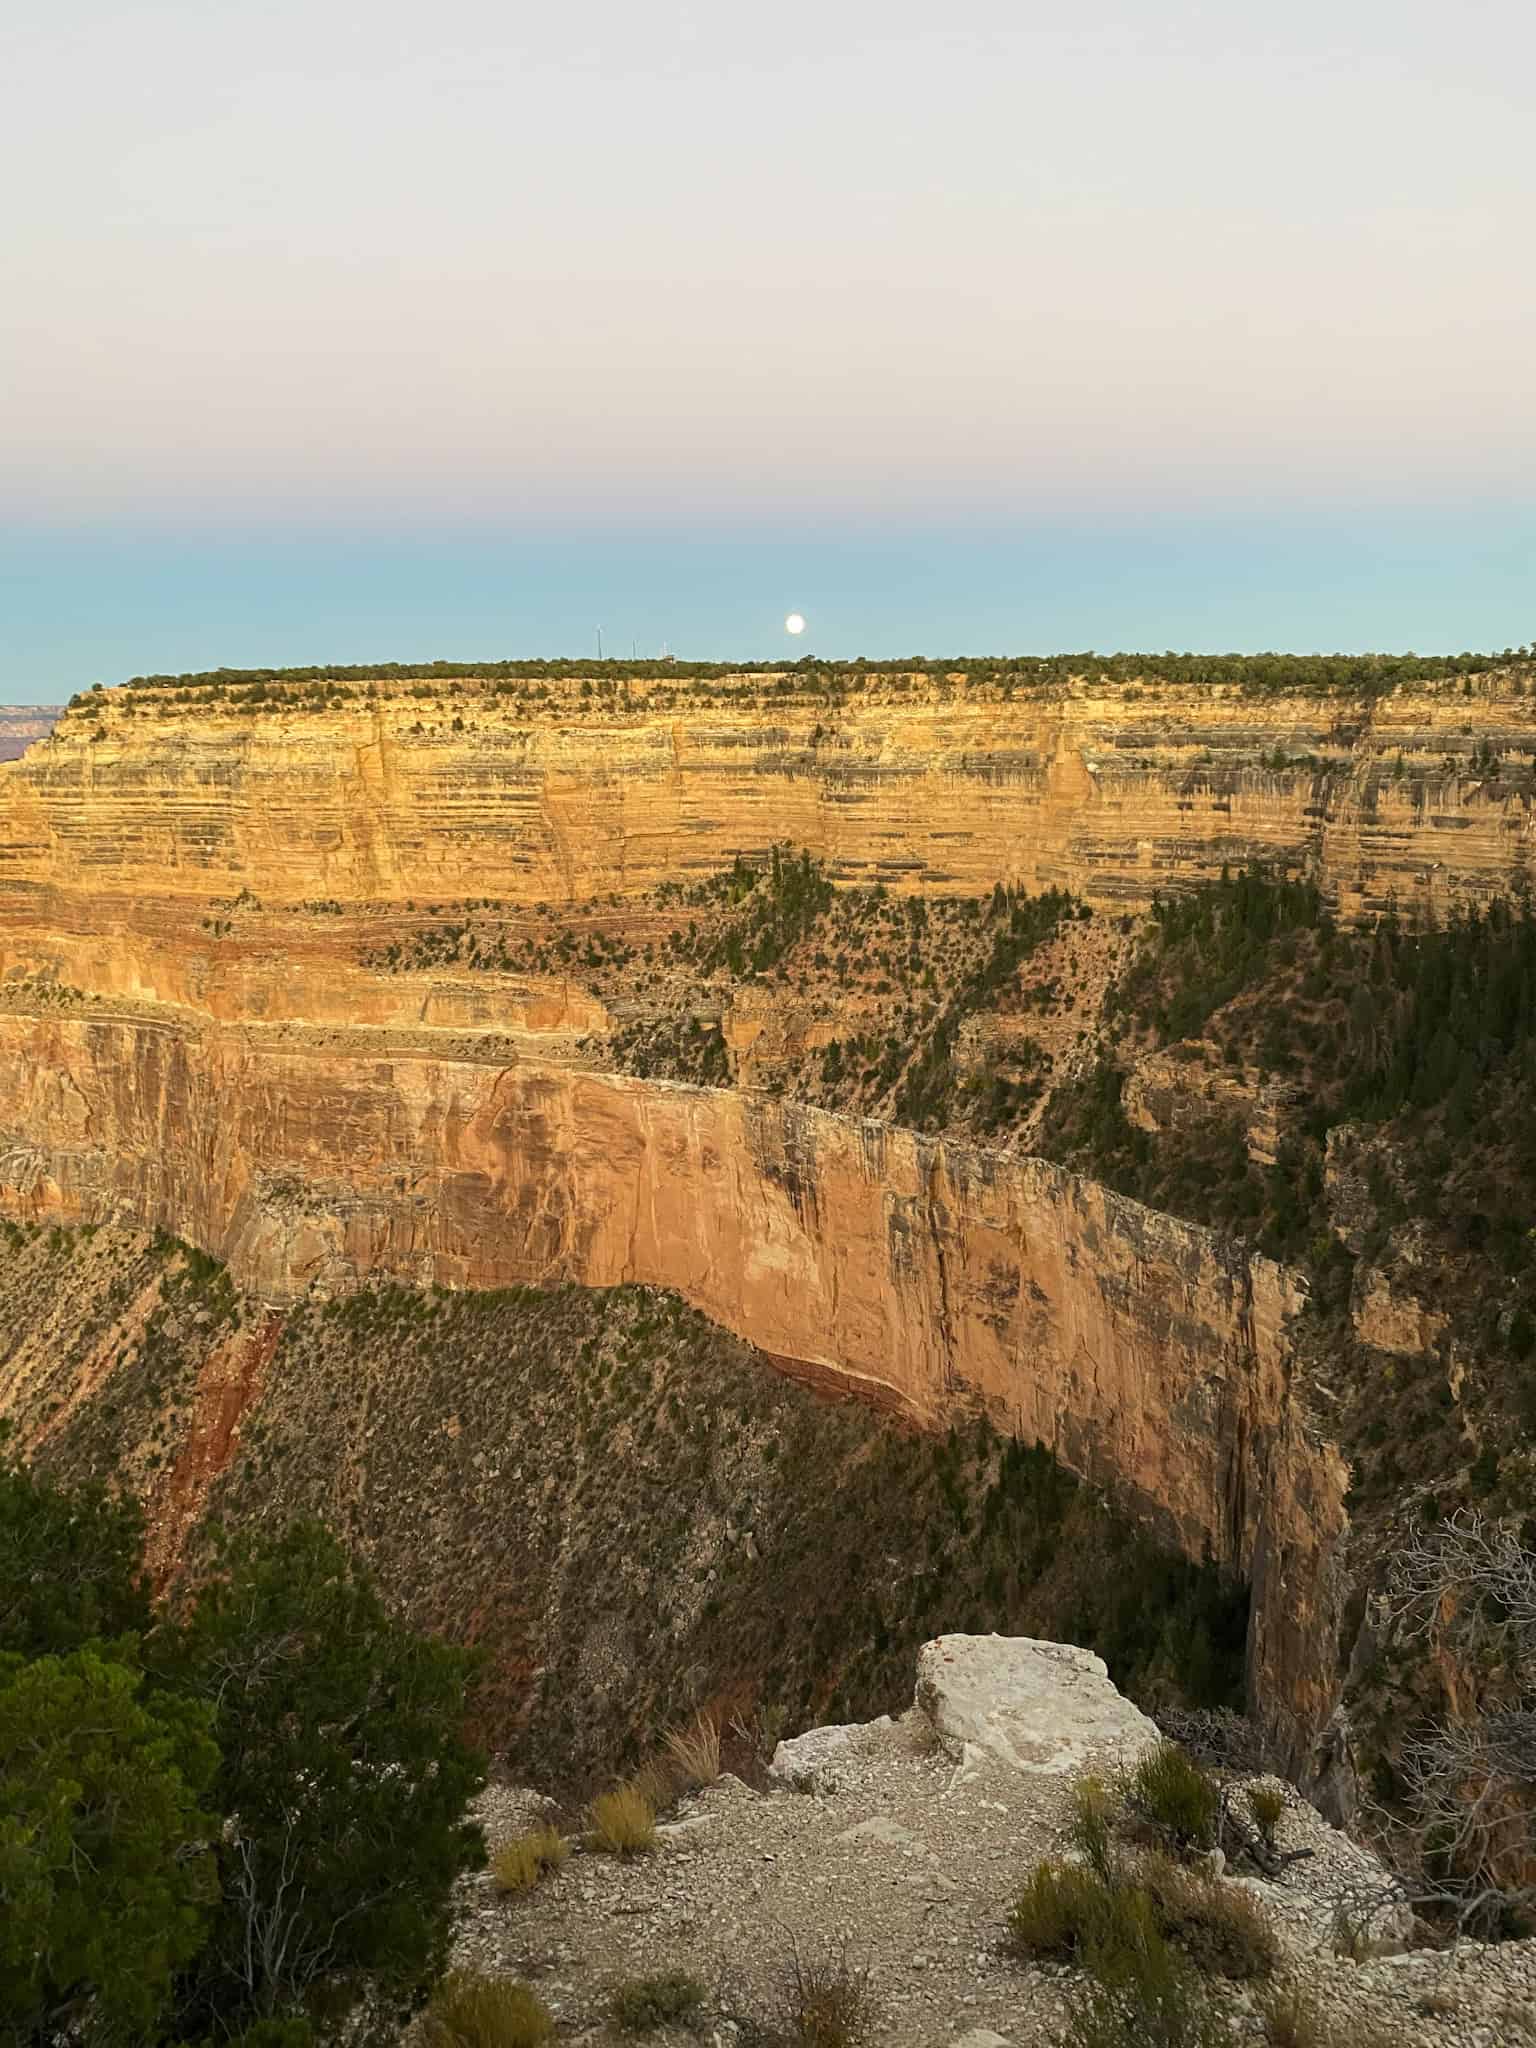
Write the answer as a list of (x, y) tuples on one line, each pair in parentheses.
[(1110, 791)]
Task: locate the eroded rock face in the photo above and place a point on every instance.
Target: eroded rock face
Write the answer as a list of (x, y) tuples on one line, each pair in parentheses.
[(1038, 1707), (190, 1038), (1111, 791), (1150, 1354)]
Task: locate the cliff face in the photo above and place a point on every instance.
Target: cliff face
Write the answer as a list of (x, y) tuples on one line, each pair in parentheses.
[(1112, 792), (1148, 1352)]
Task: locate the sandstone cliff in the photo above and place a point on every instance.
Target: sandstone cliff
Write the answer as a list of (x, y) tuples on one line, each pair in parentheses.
[(1150, 1353), (1109, 790)]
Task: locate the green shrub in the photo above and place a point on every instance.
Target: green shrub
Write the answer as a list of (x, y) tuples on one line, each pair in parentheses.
[(1266, 1803), (649, 2002), (1173, 1797), (622, 1822), (519, 1864), (472, 2011), (1091, 1827), (1159, 2002), (1067, 1912)]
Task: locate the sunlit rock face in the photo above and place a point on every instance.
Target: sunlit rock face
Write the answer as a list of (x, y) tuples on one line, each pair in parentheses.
[(1112, 791)]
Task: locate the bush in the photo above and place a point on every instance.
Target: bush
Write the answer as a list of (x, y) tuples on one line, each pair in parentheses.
[(519, 1864), (1091, 1828), (1173, 1797), (1221, 1927), (1266, 1803), (650, 2002), (622, 1822), (471, 2011), (1292, 2019), (1158, 2003), (1067, 1912), (825, 2000), (344, 1778)]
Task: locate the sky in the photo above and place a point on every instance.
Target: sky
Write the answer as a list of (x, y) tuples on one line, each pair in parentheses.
[(335, 332)]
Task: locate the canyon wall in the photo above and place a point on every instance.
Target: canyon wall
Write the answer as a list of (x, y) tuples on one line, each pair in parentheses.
[(1111, 791), (1149, 1353), (191, 1036)]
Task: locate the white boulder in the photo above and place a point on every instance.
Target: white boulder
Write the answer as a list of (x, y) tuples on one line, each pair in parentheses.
[(817, 1760), (1041, 1707)]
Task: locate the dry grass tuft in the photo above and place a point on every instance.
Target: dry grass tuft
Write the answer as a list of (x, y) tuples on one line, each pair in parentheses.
[(694, 1753), (519, 1864), (471, 2011), (622, 1822)]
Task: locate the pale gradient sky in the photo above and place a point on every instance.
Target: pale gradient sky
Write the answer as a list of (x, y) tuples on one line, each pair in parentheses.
[(517, 318)]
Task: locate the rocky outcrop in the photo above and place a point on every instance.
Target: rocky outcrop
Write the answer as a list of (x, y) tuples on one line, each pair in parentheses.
[(1041, 1708), (916, 1864)]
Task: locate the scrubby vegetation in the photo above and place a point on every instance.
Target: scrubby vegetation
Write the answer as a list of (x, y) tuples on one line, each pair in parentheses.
[(1352, 675), (825, 1998), (671, 1998), (622, 1822), (242, 1817), (473, 2011), (520, 1863), (465, 1444), (1150, 1932)]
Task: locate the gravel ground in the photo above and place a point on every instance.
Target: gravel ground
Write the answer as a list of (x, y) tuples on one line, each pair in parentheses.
[(913, 1860)]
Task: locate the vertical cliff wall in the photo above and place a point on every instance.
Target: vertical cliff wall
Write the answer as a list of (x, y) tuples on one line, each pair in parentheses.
[(454, 791), (1150, 1354)]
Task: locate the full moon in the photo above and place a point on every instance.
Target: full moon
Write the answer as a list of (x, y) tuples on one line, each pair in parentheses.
[(794, 623)]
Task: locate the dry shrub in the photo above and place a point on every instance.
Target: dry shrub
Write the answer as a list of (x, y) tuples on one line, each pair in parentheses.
[(694, 1753), (825, 1999), (471, 2011), (518, 1864), (1293, 2019), (622, 1822), (1220, 1926)]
